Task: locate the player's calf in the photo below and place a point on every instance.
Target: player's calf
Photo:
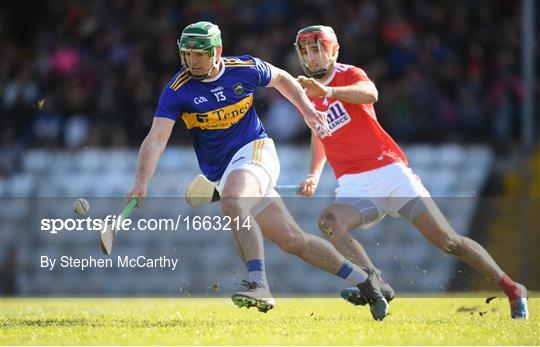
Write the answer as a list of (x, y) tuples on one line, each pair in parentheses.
[(436, 230), (335, 222), (294, 244)]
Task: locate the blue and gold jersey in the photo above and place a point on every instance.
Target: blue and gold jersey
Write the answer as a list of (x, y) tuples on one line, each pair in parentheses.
[(218, 112)]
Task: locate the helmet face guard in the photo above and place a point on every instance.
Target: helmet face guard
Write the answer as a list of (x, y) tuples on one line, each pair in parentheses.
[(313, 41), (201, 39), (203, 72)]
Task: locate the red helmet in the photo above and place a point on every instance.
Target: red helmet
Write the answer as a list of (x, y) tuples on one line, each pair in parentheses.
[(319, 35)]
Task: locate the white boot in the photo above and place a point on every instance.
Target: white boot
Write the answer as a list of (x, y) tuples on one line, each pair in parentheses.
[(255, 296)]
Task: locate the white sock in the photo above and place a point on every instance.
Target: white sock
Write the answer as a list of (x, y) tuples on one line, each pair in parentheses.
[(259, 277), (256, 272), (357, 275), (352, 273)]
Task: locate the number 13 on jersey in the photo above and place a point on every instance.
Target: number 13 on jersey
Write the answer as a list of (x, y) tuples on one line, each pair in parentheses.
[(220, 96)]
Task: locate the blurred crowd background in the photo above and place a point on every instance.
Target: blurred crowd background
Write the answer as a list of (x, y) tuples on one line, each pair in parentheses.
[(89, 73)]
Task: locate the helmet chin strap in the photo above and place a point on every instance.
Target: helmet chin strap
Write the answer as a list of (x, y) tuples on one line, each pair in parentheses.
[(322, 72), (329, 68), (318, 74)]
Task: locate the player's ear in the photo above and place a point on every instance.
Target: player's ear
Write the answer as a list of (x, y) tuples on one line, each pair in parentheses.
[(219, 50), (335, 50)]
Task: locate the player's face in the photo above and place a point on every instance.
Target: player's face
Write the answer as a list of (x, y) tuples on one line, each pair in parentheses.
[(317, 55), (199, 62)]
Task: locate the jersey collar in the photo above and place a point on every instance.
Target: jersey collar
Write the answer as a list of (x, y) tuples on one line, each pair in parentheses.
[(221, 71)]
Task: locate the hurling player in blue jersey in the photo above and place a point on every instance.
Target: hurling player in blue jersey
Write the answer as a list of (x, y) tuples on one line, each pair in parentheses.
[(213, 95)]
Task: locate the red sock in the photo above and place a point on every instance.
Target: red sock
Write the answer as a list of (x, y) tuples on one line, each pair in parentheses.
[(509, 287)]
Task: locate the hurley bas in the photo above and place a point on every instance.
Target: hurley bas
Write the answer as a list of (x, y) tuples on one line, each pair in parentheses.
[(121, 262)]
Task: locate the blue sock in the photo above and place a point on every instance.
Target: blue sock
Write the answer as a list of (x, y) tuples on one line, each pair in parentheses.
[(256, 272), (352, 273)]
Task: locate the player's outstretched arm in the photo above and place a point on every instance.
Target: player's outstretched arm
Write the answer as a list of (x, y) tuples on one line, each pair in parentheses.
[(151, 149), (361, 92), (291, 89), (318, 159)]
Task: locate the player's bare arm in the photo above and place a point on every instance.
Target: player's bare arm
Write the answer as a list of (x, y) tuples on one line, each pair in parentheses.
[(362, 92), (291, 89), (318, 159), (151, 149)]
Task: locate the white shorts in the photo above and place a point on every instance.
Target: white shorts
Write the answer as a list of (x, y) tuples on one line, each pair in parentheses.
[(258, 158), (389, 188)]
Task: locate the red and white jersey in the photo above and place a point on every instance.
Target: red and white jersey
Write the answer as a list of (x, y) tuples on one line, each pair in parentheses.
[(358, 142)]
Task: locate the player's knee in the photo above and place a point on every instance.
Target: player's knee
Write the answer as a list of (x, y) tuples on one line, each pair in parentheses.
[(232, 206), (329, 223)]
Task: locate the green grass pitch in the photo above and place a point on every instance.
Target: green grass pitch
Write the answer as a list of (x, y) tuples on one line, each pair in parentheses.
[(306, 321)]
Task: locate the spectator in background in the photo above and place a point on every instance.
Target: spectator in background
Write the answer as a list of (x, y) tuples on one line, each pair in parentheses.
[(282, 122), (452, 73)]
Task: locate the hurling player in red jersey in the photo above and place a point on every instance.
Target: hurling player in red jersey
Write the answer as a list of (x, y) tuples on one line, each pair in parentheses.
[(373, 175)]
